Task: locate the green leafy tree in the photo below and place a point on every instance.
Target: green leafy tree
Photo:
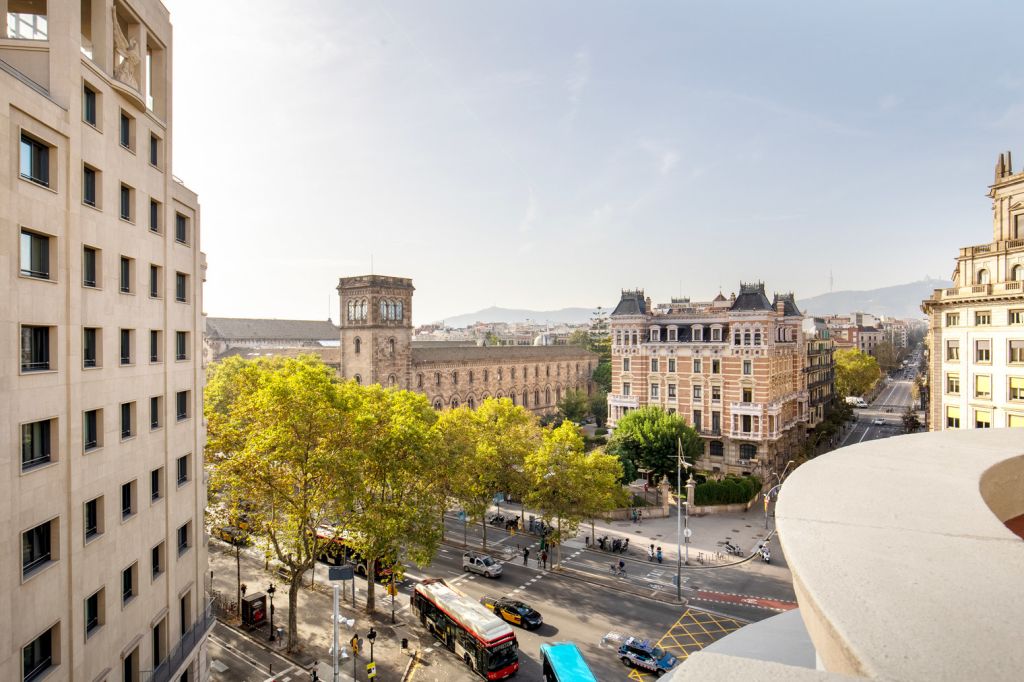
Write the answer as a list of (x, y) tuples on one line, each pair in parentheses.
[(394, 487), (276, 443), (602, 376), (574, 406), (856, 372), (649, 438), (599, 407), (602, 487), (910, 421), (580, 337)]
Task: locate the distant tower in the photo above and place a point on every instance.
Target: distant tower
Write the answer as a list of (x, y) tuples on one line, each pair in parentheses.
[(376, 329)]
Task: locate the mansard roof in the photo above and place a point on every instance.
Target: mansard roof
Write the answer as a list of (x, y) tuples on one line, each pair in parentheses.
[(752, 297), (631, 303), (228, 328), (789, 304)]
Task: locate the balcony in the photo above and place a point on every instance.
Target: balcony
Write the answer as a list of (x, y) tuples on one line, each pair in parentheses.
[(615, 400), (878, 603), (185, 648)]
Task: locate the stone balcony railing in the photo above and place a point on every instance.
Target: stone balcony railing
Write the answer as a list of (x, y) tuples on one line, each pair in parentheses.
[(978, 290), (992, 247), (904, 565)]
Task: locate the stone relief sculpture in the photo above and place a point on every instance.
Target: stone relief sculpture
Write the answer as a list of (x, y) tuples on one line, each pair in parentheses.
[(126, 55)]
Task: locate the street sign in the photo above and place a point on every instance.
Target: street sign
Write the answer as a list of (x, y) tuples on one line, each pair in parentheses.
[(339, 573), (687, 533), (371, 670)]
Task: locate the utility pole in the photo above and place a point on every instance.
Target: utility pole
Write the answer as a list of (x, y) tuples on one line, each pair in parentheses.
[(335, 640)]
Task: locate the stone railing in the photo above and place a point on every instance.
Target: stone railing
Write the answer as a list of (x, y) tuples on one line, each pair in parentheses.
[(904, 564)]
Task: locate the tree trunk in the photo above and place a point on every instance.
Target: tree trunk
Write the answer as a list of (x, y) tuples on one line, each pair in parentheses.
[(483, 522), (293, 610), (238, 577), (593, 535), (371, 571)]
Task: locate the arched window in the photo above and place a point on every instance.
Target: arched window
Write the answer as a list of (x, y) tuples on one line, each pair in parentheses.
[(757, 338), (362, 310), (982, 276), (437, 378), (547, 396), (486, 375), (547, 370), (736, 338), (746, 338), (499, 374), (512, 372), (358, 379), (359, 345), (526, 398), (471, 402), (351, 310), (455, 378), (1017, 274), (438, 405), (536, 371), (419, 380), (536, 397), (558, 394), (391, 346), (470, 376), (455, 402), (392, 380), (399, 313), (383, 310), (748, 451), (512, 396), (717, 449)]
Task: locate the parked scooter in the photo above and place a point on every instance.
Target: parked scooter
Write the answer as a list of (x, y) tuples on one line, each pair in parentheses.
[(766, 555), (733, 549), (497, 520)]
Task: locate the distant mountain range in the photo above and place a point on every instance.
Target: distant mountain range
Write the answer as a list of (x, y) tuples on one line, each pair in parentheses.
[(902, 301), (511, 315)]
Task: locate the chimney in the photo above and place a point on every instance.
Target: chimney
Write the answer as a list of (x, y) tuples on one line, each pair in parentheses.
[(1004, 166)]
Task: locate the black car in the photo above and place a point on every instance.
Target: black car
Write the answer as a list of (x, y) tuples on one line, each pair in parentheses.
[(515, 612)]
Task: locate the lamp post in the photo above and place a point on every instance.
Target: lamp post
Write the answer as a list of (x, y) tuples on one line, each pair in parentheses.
[(270, 593), (371, 635), (679, 514), (779, 478)]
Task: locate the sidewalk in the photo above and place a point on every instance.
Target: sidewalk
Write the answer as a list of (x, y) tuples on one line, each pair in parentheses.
[(314, 619)]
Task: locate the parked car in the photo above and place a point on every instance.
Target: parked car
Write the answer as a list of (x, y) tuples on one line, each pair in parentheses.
[(513, 611), (231, 534), (484, 564), (878, 421), (641, 653)]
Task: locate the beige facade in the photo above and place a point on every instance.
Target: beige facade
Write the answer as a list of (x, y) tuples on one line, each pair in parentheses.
[(976, 327), (733, 368), (377, 347), (101, 521)]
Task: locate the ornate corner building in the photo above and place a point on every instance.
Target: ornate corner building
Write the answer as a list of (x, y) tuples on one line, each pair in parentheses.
[(736, 368), (976, 327), (377, 347), (101, 378)]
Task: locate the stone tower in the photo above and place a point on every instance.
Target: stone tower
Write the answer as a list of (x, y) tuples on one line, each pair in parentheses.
[(376, 329)]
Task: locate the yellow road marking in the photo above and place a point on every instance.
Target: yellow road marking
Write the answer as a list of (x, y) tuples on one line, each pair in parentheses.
[(690, 624)]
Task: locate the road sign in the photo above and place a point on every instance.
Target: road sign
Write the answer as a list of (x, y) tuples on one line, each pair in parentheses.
[(339, 573), (687, 533), (371, 670)]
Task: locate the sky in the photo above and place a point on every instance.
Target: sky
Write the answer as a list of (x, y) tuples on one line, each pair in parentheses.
[(540, 155)]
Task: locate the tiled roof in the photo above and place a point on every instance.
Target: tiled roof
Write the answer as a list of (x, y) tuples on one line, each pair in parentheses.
[(329, 355), (752, 297), (631, 303), (424, 354), (789, 305), (228, 328)]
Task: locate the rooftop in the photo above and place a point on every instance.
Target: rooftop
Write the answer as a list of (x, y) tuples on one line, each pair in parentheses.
[(228, 328)]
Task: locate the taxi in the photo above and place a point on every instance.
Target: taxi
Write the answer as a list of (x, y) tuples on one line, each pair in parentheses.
[(641, 653), (514, 612)]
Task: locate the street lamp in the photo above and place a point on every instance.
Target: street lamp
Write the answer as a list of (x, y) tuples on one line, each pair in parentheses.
[(371, 635), (679, 519), (270, 592), (767, 495)]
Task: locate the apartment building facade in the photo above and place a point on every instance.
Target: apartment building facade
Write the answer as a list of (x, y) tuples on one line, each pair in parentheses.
[(976, 327), (733, 368), (101, 381)]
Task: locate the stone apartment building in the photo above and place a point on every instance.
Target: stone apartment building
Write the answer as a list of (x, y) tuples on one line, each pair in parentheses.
[(820, 369), (101, 520), (976, 327), (734, 368), (377, 347)]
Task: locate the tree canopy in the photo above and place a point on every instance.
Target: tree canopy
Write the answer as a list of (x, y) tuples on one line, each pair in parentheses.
[(648, 438), (856, 372)]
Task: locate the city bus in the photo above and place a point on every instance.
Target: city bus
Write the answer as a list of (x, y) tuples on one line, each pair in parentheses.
[(485, 642), (334, 549), (563, 662)]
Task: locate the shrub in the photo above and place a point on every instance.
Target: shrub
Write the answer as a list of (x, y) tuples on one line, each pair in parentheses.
[(730, 490), (601, 431)]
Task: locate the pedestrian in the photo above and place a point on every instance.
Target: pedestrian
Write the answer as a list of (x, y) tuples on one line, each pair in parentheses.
[(544, 559), (659, 555), (650, 553), (622, 568), (632, 514), (526, 554)]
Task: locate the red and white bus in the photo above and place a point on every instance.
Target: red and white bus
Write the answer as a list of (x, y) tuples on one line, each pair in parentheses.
[(485, 642)]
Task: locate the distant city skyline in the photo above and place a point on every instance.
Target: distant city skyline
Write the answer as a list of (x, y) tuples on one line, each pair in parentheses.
[(526, 155)]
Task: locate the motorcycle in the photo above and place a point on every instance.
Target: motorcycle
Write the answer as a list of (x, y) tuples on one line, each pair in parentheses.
[(497, 520), (733, 549), (766, 556)]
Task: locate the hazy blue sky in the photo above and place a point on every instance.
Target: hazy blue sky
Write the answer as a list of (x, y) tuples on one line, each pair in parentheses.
[(546, 154)]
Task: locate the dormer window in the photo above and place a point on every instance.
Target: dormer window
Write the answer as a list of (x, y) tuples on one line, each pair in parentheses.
[(673, 334), (655, 335), (698, 332)]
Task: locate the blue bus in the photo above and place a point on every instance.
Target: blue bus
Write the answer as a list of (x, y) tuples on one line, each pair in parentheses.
[(563, 662)]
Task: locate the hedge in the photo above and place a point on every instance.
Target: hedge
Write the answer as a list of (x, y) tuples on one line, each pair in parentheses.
[(729, 490)]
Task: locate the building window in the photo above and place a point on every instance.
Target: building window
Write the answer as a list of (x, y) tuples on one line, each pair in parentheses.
[(156, 484), (90, 347), (358, 345), (391, 347), (982, 419), (89, 266), (94, 612), (625, 388), (159, 645), (698, 421), (180, 287), (716, 334), (184, 537), (983, 387), (748, 367), (35, 548), (181, 401), (716, 366), (155, 345), (129, 583), (953, 349), (128, 499), (952, 417), (1015, 351), (671, 390), (1016, 388), (158, 559), (154, 281), (92, 422), (35, 348), (748, 451), (1016, 317), (654, 364), (748, 395), (1015, 421), (90, 186), (696, 366), (697, 392), (625, 364), (35, 255), (983, 277), (127, 420), (181, 231), (716, 393), (35, 161), (438, 405), (156, 410), (183, 465), (126, 346), (37, 656), (983, 319), (419, 380), (127, 203), (181, 346), (953, 384), (654, 391), (983, 351), (672, 332), (437, 378), (89, 105), (154, 215), (671, 365), (126, 131), (655, 335), (952, 319), (36, 447), (126, 274), (154, 151), (716, 448)]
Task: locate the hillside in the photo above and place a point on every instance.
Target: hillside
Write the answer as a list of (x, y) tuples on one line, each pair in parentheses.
[(900, 301), (510, 315)]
